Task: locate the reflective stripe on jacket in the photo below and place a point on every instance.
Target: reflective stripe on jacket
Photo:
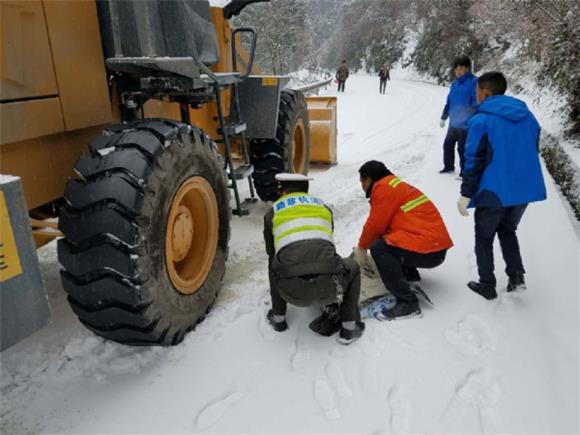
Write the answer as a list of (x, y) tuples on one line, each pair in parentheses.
[(405, 218), (299, 216)]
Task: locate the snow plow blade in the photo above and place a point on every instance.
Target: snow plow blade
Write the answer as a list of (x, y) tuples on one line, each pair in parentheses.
[(322, 114)]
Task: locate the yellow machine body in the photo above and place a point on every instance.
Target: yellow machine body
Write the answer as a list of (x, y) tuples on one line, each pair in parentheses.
[(55, 95)]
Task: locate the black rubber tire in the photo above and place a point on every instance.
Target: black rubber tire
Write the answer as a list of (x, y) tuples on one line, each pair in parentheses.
[(272, 156), (114, 222)]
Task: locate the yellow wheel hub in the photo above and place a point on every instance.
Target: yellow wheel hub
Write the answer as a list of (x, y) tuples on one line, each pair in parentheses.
[(298, 145), (191, 235)]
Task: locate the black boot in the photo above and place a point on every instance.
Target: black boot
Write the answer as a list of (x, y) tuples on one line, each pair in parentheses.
[(483, 289), (516, 283), (403, 310), (278, 326), (347, 336), (328, 323)]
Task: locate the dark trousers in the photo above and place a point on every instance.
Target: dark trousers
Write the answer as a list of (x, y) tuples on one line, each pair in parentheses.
[(454, 135), (341, 85), (390, 262), (382, 86), (504, 222), (327, 286)]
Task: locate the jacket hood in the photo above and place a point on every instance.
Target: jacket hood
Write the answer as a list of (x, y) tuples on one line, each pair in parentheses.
[(509, 108)]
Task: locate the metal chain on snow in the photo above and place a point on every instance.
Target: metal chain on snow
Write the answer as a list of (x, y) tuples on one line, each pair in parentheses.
[(339, 289)]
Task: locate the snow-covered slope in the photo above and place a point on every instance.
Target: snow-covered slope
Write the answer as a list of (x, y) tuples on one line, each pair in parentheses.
[(468, 366)]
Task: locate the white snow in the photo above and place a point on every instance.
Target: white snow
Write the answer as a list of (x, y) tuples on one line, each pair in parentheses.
[(5, 179), (218, 3), (468, 366)]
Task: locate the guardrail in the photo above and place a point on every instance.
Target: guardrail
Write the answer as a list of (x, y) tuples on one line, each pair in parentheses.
[(313, 86)]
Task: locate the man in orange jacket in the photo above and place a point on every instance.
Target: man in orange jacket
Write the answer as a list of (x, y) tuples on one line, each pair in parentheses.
[(404, 231)]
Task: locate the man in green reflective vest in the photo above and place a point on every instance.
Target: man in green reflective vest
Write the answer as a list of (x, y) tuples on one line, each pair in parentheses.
[(303, 266)]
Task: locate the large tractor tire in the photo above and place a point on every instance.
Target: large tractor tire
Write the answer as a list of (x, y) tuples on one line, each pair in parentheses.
[(289, 151), (146, 230)]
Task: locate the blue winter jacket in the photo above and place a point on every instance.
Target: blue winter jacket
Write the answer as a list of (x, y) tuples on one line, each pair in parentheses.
[(461, 101), (502, 164)]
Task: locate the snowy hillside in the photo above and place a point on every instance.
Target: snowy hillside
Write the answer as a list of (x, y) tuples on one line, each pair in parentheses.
[(468, 366)]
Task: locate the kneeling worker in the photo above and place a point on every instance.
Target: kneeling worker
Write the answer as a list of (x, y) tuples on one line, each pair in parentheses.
[(303, 266), (404, 231)]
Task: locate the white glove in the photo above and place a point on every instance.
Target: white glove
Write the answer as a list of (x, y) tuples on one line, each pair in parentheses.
[(442, 123), (462, 204), (365, 263)]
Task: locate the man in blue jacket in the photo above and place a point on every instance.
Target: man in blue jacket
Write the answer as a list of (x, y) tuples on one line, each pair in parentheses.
[(502, 176), (460, 105)]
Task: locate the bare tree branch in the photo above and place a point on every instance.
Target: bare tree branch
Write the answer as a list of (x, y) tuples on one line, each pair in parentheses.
[(546, 12)]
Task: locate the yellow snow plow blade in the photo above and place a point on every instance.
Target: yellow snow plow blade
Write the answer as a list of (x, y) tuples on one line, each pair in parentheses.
[(322, 114)]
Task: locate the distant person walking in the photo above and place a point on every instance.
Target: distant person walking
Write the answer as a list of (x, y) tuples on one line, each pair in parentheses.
[(341, 75), (460, 105), (502, 175), (383, 77)]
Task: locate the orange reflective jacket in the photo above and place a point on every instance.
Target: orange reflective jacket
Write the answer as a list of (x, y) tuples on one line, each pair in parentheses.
[(405, 218)]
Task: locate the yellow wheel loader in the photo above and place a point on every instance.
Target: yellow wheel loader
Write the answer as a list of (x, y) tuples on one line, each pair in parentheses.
[(175, 114)]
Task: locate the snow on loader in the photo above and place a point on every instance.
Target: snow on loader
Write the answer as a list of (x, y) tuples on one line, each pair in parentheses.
[(175, 115)]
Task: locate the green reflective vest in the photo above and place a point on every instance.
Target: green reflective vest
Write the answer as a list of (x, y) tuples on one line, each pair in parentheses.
[(299, 216)]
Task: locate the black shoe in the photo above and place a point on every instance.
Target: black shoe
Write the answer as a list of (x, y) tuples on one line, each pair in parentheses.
[(278, 326), (403, 310), (411, 274), (483, 289), (516, 283), (446, 170), (328, 323), (347, 336)]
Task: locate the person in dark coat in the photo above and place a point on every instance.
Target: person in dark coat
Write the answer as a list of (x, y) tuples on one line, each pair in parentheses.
[(384, 75), (460, 105), (502, 176), (303, 266), (342, 74)]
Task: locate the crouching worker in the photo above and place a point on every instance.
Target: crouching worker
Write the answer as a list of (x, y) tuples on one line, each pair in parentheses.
[(303, 266), (404, 231)]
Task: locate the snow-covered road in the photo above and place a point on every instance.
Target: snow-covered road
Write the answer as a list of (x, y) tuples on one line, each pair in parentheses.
[(468, 366)]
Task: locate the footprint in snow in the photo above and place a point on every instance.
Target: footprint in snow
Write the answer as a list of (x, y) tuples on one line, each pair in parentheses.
[(370, 376), (508, 302), (300, 359), (265, 328), (481, 390), (301, 352), (214, 411), (336, 377), (338, 354), (400, 410), (471, 336), (326, 398)]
